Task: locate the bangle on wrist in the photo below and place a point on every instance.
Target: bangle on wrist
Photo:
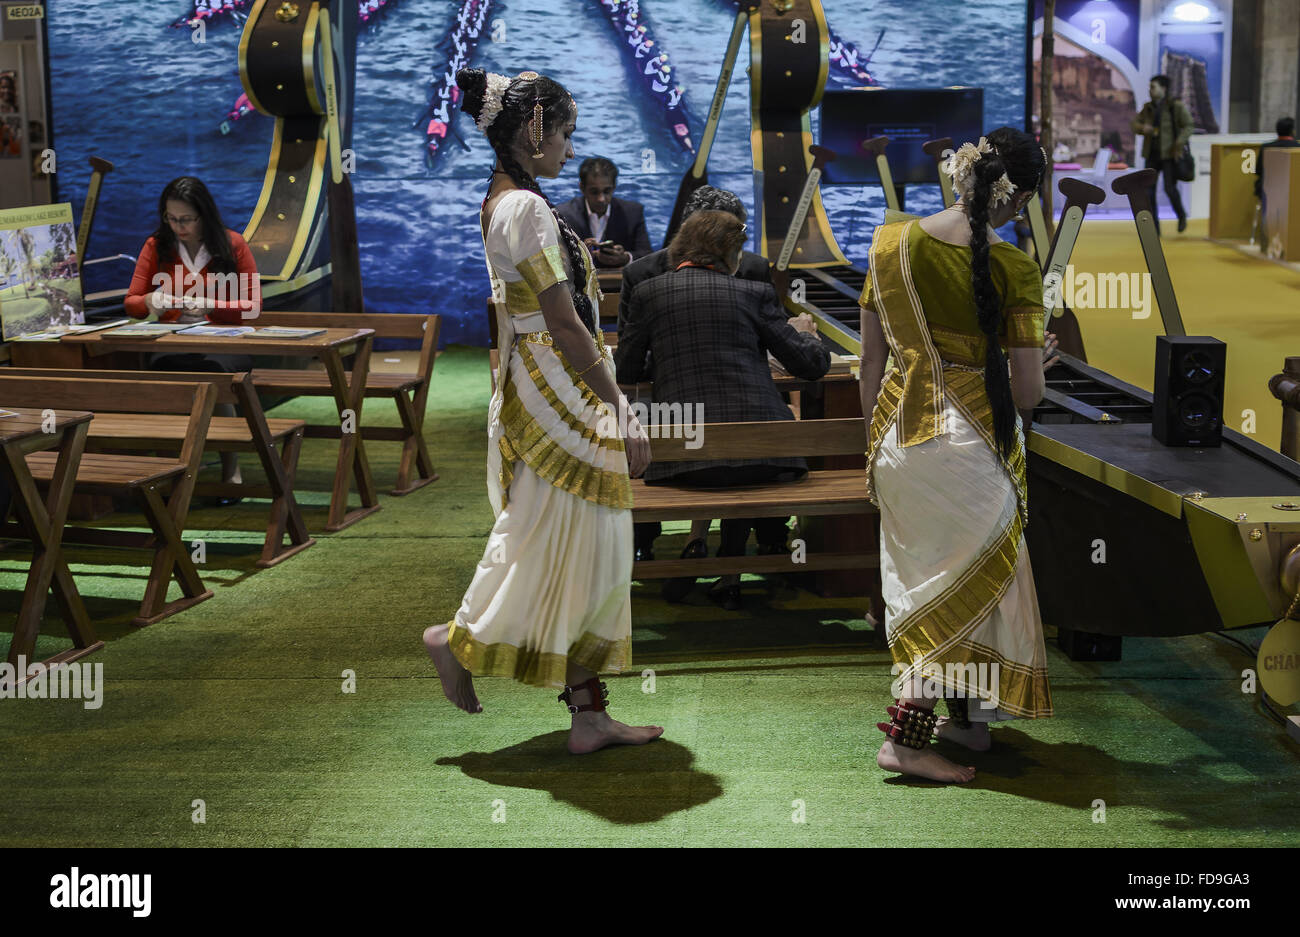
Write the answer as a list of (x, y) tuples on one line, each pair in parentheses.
[(599, 359)]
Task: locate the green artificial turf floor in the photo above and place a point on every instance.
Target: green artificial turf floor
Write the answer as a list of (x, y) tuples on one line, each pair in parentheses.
[(770, 712)]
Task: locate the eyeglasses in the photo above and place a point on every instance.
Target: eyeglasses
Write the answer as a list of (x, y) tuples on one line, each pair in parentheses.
[(185, 219)]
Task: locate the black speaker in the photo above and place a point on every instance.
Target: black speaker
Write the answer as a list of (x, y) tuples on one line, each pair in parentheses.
[(1187, 409)]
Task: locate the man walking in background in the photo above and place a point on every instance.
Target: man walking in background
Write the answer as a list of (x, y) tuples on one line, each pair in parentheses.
[(1165, 125)]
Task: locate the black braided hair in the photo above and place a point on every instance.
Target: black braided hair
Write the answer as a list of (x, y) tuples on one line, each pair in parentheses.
[(1019, 156), (516, 110)]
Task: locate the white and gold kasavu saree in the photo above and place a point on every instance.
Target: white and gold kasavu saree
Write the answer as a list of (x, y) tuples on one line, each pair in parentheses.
[(554, 581), (961, 610)]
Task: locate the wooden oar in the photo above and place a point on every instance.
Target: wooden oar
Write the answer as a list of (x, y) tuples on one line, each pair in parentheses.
[(1056, 259), (1078, 196), (780, 272), (698, 175), (100, 168), (938, 150), (876, 147), (1136, 188)]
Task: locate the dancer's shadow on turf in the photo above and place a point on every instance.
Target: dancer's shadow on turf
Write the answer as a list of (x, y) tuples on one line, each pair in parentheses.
[(1072, 774), (625, 784)]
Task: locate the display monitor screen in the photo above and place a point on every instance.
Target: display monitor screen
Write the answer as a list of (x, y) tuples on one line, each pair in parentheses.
[(908, 116)]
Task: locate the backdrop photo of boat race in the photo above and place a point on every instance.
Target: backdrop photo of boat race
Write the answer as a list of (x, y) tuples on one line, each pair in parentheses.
[(643, 74)]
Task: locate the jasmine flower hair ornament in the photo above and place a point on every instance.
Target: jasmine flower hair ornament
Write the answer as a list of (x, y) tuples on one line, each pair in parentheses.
[(960, 167), (496, 88)]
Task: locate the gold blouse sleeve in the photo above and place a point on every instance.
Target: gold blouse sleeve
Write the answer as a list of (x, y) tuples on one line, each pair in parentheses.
[(543, 269), (1022, 309), (864, 300)]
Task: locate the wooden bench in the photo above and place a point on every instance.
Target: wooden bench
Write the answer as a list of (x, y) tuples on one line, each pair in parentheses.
[(250, 432), (143, 478), (409, 390), (824, 492)]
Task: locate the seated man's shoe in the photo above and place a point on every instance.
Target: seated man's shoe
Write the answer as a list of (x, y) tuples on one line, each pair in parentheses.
[(727, 591), (773, 579), (1182, 225), (675, 590)]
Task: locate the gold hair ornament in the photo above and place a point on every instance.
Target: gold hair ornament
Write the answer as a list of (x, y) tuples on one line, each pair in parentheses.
[(539, 129)]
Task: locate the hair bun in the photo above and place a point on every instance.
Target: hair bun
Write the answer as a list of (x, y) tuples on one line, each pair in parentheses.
[(473, 84)]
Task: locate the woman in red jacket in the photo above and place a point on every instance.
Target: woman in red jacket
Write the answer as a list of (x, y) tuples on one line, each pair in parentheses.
[(193, 269)]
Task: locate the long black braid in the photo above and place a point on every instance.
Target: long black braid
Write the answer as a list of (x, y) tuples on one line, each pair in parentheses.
[(1019, 156), (516, 110)]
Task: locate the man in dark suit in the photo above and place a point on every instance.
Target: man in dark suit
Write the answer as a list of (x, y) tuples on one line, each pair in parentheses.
[(711, 332), (1285, 138), (706, 198), (753, 267), (600, 219)]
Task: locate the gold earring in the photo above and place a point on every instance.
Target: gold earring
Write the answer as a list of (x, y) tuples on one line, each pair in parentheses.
[(538, 131)]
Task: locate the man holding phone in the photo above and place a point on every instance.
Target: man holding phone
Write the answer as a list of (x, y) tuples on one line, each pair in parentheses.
[(612, 228)]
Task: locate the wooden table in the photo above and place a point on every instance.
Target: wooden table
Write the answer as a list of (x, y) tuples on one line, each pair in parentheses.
[(329, 348), (42, 521)]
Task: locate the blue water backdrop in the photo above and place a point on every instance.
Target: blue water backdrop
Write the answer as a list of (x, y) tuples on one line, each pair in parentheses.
[(146, 97)]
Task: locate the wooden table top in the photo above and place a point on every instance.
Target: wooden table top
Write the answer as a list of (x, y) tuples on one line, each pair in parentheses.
[(837, 375), (610, 279), (303, 347), (30, 422)]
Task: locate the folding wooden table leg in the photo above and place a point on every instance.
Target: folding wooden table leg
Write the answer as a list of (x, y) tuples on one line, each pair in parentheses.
[(414, 451), (352, 450), (43, 522), (170, 557), (280, 470), (285, 513)]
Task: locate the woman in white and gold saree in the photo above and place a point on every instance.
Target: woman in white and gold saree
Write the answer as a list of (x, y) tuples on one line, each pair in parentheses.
[(946, 464), (550, 602)]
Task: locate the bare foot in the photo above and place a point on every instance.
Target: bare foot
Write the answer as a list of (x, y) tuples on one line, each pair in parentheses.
[(976, 737), (595, 730), (457, 683), (923, 763)]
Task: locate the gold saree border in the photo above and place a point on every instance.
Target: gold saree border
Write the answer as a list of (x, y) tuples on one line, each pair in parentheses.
[(920, 407), (534, 667), (938, 633), (520, 298), (1023, 691), (523, 439)]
